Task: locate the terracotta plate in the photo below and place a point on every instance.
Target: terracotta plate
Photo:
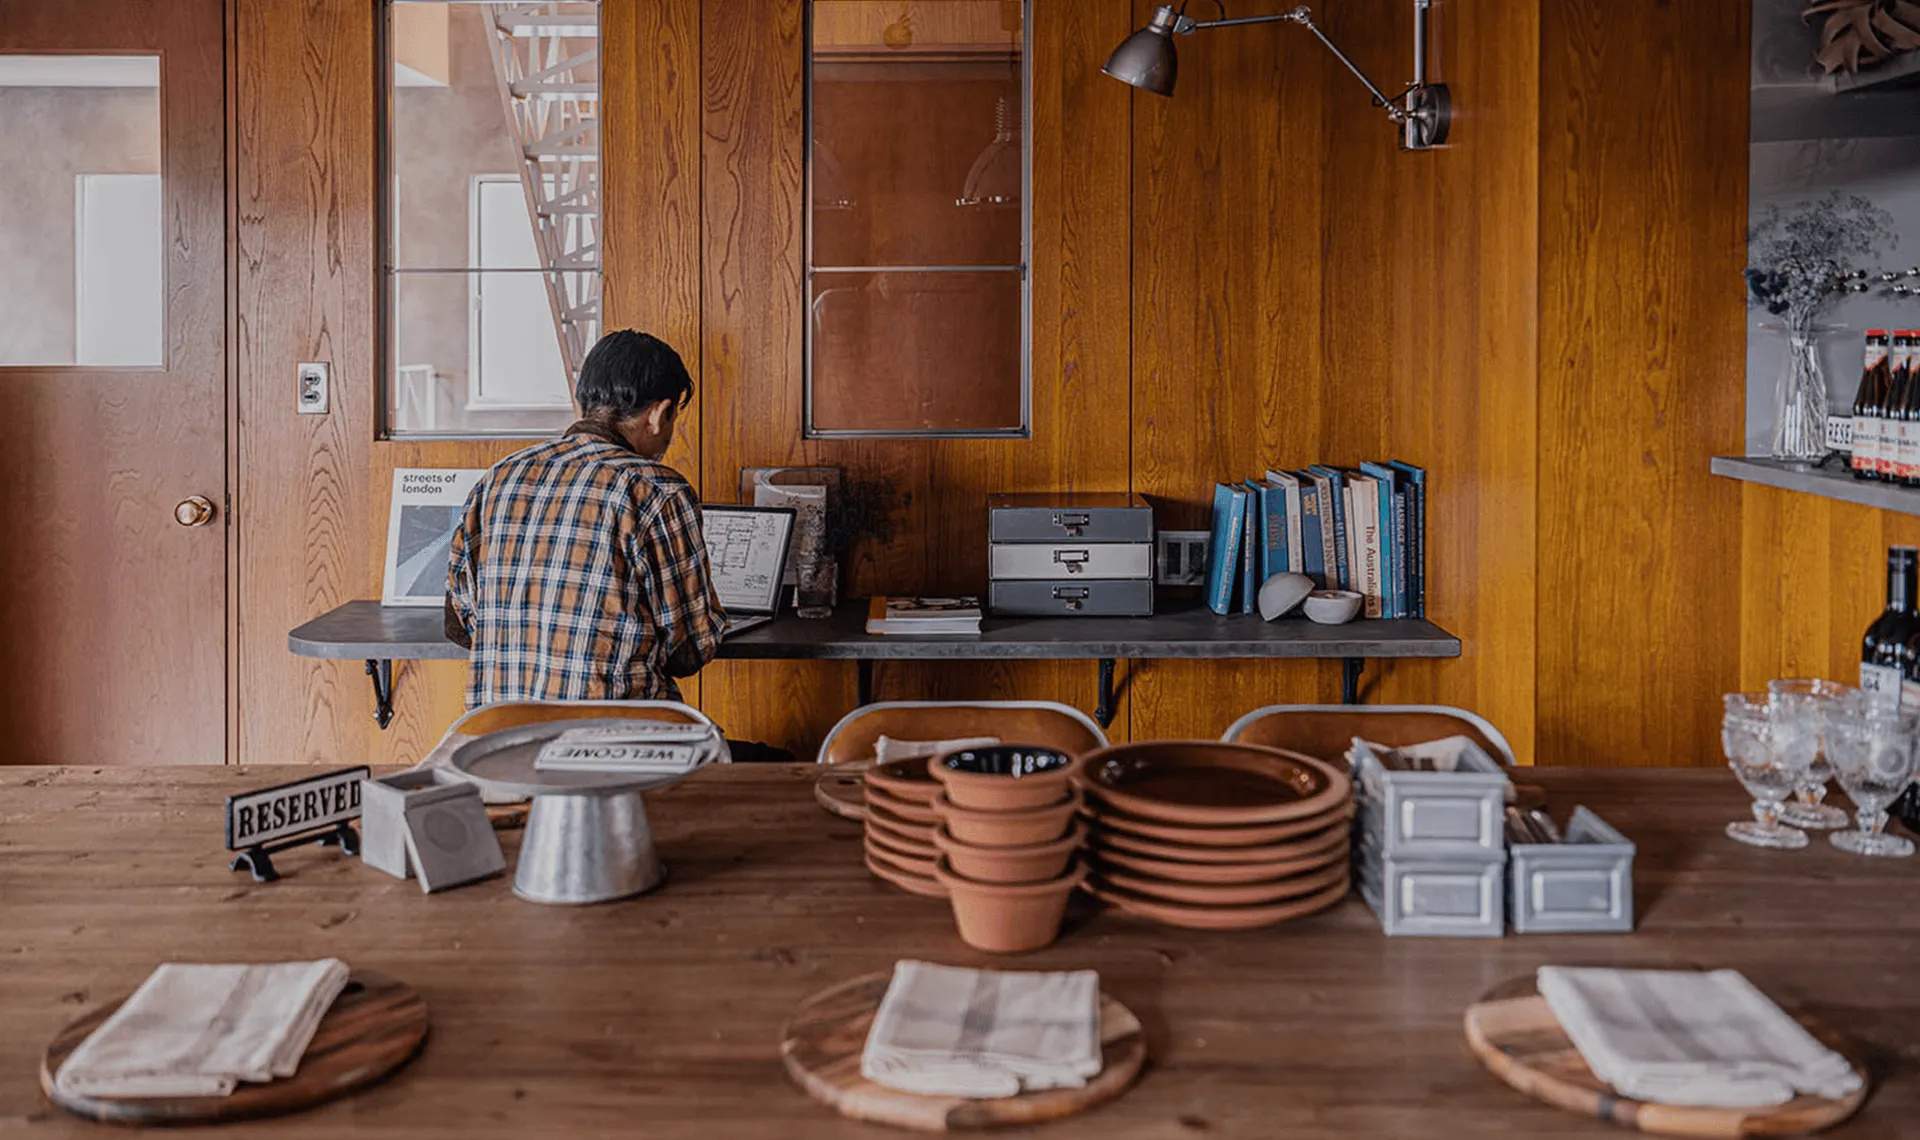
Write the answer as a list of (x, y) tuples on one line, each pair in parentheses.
[(904, 864), (1330, 871), (905, 810), (1216, 917), (911, 883), (893, 844), (904, 826), (1200, 835), (1212, 782), (1338, 833), (1111, 858), (903, 780)]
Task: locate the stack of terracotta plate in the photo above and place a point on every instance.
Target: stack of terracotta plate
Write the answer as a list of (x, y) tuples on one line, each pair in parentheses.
[(900, 825), (1216, 836)]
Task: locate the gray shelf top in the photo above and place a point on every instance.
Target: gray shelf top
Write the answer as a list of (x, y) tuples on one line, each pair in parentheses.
[(1827, 482), (368, 630)]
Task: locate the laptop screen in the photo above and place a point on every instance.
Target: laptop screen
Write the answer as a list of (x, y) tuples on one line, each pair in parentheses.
[(747, 554)]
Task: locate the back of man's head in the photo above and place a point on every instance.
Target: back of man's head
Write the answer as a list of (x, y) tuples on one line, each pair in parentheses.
[(628, 372)]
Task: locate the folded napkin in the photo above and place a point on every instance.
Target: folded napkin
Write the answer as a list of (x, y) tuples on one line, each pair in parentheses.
[(1687, 1037), (944, 1031), (199, 1030)]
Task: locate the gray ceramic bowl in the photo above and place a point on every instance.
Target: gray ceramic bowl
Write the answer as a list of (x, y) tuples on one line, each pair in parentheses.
[(1332, 607)]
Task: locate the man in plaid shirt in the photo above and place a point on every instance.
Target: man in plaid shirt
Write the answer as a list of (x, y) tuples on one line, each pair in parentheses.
[(579, 571)]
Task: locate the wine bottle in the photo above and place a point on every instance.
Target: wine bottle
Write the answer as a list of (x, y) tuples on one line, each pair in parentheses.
[(1910, 437), (1893, 456), (1887, 653), (1868, 402)]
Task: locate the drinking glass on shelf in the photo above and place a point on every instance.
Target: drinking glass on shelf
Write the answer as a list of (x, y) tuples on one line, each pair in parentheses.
[(1748, 732), (1874, 755), (1805, 810)]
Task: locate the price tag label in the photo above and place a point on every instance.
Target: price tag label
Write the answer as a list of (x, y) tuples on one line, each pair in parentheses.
[(1839, 433)]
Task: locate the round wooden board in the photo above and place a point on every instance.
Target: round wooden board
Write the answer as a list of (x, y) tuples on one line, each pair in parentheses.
[(821, 1046), (841, 790), (374, 1027), (1516, 1036)]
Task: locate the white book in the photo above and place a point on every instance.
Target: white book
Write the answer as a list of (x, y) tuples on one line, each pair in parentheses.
[(1365, 531)]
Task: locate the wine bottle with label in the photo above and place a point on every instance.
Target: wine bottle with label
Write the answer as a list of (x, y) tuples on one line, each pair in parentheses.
[(1909, 464), (1887, 652), (1894, 424), (1868, 405)]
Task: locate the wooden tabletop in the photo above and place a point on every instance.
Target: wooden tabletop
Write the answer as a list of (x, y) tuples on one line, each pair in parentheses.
[(659, 1017), (359, 630)]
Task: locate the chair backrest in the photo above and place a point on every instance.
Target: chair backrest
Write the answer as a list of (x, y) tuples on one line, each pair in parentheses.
[(1045, 723), (1327, 731), (513, 714)]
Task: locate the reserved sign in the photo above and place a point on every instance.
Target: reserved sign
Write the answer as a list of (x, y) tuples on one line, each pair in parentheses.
[(274, 813)]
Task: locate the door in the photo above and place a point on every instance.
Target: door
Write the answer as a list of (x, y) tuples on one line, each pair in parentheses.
[(113, 407)]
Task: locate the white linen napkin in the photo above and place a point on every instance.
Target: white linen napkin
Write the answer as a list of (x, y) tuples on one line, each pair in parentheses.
[(945, 1031), (1690, 1037), (196, 1030)]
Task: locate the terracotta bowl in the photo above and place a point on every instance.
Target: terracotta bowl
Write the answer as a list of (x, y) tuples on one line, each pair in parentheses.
[(1008, 918), (914, 884), (897, 845), (903, 780), (1010, 865), (1023, 827), (893, 827), (913, 811), (1003, 777), (907, 864)]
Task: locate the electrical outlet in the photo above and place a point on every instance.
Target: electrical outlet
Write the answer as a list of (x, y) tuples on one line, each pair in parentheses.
[(310, 394), (1181, 557)]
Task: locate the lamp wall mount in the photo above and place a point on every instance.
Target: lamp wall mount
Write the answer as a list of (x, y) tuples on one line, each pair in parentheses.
[(1423, 111)]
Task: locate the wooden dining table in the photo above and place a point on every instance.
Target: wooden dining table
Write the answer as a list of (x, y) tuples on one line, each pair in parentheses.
[(660, 1016)]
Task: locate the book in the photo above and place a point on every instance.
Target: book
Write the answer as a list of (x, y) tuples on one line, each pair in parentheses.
[(426, 507), (924, 616), (1342, 571), (1251, 545), (1330, 562), (1416, 536), (1391, 538), (1289, 486), (1273, 530), (1313, 559), (1223, 549), (1363, 528)]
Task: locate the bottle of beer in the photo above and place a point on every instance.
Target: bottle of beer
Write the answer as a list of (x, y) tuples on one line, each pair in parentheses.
[(1895, 429), (1868, 402)]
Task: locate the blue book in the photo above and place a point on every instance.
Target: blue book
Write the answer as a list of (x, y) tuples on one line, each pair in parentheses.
[(1386, 479), (1416, 536), (1287, 486), (1223, 551), (1313, 558), (1273, 532), (1342, 572), (1250, 549)]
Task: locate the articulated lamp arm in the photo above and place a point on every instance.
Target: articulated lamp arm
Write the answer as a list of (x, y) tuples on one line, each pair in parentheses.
[(1184, 26)]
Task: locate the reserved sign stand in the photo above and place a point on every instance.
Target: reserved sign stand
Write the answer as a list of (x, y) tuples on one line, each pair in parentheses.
[(314, 810)]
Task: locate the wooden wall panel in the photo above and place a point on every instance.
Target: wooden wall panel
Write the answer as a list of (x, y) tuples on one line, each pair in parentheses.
[(1643, 143), (304, 263)]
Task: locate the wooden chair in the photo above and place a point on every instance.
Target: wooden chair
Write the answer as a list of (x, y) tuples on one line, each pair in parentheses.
[(1327, 731), (1044, 723)]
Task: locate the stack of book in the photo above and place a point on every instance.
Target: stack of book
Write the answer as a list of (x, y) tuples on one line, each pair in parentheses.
[(924, 616), (1361, 529)]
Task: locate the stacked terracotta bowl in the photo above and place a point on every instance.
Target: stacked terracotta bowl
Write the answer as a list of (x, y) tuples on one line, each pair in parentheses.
[(1215, 836), (1007, 841), (900, 825)]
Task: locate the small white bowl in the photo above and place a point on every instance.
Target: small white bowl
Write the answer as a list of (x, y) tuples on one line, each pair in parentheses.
[(1332, 607), (1280, 593)]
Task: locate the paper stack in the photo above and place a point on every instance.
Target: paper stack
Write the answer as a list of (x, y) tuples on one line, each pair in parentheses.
[(924, 616)]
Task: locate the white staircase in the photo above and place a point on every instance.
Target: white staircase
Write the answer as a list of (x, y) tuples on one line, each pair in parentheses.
[(547, 59)]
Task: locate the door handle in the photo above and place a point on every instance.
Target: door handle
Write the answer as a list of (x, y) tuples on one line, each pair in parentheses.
[(194, 510)]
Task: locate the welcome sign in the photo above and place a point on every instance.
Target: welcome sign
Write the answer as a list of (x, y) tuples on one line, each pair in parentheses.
[(258, 817)]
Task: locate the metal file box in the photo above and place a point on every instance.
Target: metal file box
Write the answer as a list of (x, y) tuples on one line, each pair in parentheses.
[(1458, 814), (1093, 598), (1583, 885), (1446, 898), (1070, 561), (1091, 517)]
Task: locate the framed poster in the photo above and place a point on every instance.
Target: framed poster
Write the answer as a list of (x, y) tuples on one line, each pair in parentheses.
[(426, 505)]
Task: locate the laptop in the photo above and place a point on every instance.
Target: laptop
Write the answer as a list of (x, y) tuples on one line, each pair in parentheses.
[(747, 549)]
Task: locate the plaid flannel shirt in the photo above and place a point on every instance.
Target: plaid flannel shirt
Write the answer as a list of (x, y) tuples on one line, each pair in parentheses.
[(578, 569)]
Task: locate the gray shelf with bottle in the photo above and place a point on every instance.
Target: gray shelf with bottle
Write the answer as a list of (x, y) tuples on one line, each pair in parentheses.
[(1830, 482)]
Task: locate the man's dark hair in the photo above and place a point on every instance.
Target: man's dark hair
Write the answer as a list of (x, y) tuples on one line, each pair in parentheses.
[(627, 371)]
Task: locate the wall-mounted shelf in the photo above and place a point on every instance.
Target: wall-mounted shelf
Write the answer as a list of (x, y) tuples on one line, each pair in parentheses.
[(1826, 482)]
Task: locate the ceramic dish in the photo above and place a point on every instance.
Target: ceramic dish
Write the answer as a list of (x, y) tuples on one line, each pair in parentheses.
[(1009, 918), (881, 820), (1338, 834), (1334, 849), (1032, 864), (1332, 607), (903, 780), (895, 845), (908, 810), (1200, 835), (1003, 777), (1212, 782), (1022, 828), (905, 864), (1233, 894), (913, 884), (1217, 917)]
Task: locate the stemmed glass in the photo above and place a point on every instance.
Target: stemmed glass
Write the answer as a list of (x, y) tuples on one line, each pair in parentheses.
[(1752, 736), (1874, 755), (1795, 695)]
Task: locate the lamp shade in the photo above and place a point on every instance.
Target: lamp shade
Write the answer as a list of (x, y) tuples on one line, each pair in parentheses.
[(1146, 58)]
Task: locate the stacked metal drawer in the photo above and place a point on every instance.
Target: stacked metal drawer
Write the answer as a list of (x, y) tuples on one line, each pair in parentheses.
[(1053, 555), (1430, 853), (1583, 884)]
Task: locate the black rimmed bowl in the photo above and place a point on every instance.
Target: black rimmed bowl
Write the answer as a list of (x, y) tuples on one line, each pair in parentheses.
[(1003, 777)]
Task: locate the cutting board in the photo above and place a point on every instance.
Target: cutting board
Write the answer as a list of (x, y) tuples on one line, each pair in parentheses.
[(375, 1026), (842, 790), (1515, 1035), (821, 1047)]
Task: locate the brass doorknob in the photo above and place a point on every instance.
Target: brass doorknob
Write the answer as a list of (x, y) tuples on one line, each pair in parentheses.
[(195, 510)]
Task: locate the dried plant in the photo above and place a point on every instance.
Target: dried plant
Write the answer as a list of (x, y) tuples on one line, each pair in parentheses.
[(1801, 259), (1861, 33), (860, 510)]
